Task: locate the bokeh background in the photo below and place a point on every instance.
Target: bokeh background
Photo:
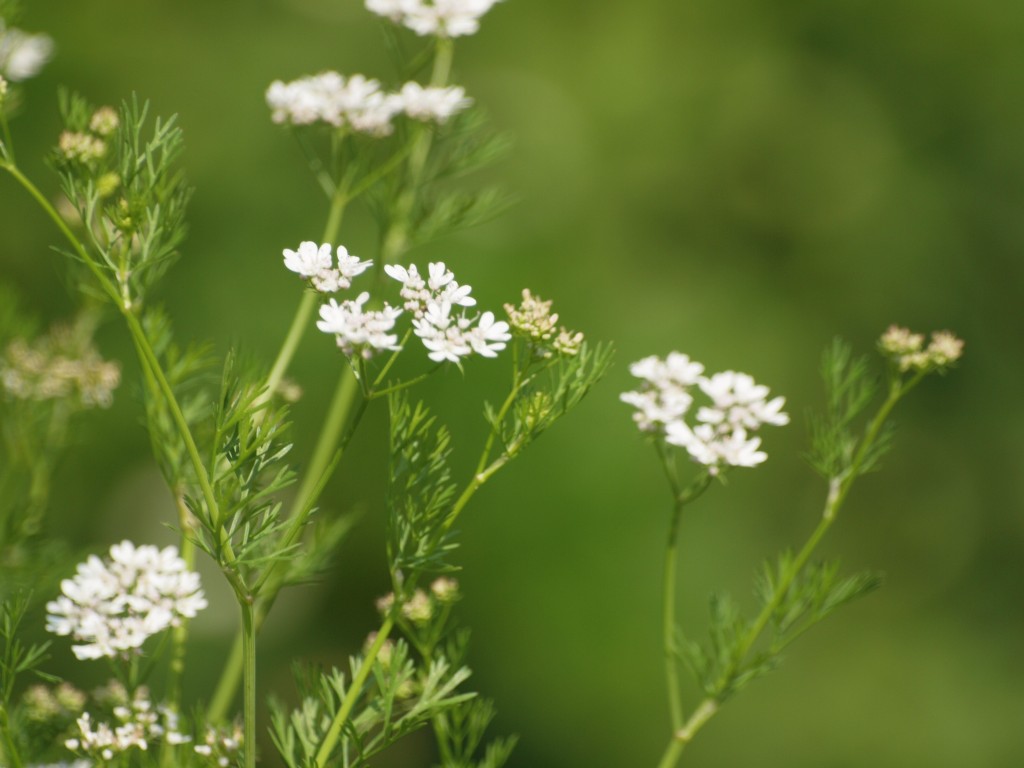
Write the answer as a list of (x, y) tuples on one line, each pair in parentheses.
[(736, 179)]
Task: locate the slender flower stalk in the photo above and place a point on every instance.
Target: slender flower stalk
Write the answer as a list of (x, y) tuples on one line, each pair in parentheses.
[(839, 487)]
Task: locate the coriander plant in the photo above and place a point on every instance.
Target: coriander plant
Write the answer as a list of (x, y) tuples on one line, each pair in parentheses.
[(221, 433)]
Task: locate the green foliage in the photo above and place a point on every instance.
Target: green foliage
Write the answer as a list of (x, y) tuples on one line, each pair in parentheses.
[(399, 700), (16, 658), (420, 490), (815, 593), (850, 389), (460, 732), (121, 177), (189, 372), (247, 472), (547, 389)]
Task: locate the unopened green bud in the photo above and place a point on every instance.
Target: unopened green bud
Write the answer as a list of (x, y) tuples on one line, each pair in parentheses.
[(108, 184)]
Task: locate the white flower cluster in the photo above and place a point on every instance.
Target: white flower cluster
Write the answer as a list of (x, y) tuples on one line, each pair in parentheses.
[(908, 352), (720, 434), (359, 103), (113, 606), (360, 331), (58, 365), (447, 336), (443, 18), (22, 55), (221, 745), (315, 264), (139, 726)]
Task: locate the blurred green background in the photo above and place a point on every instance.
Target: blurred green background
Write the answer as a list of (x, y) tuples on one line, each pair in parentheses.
[(736, 179)]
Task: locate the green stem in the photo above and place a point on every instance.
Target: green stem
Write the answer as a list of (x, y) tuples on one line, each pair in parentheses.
[(309, 300), (355, 689), (684, 735), (839, 487), (668, 628), (396, 240), (10, 751), (327, 442), (249, 681), (7, 145), (329, 448), (145, 350), (75, 243), (179, 635)]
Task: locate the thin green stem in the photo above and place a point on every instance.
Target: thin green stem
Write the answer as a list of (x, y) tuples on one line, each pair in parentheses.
[(396, 240), (76, 245), (684, 735), (179, 635), (10, 751), (327, 442), (309, 300), (143, 347), (355, 689), (668, 628), (249, 681), (327, 454), (839, 487), (7, 145)]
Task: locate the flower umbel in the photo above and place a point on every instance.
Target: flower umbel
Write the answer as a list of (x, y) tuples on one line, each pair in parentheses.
[(719, 435), (359, 331), (112, 606), (22, 55), (442, 18), (907, 351)]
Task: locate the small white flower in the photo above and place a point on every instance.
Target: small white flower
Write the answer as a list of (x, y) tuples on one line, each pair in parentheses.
[(442, 334), (432, 104), (309, 260), (440, 286), (359, 331), (350, 266), (489, 336), (22, 55)]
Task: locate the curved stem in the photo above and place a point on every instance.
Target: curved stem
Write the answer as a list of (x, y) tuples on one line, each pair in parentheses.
[(839, 487), (352, 696), (668, 626), (6, 144)]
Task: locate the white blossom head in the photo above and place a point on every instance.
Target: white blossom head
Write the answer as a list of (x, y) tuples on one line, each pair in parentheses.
[(58, 365), (315, 263), (360, 332), (439, 286), (432, 104), (356, 102), (441, 18), (22, 55), (720, 434), (112, 606)]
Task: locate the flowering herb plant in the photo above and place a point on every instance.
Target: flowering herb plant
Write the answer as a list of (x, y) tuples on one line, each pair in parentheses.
[(221, 435)]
